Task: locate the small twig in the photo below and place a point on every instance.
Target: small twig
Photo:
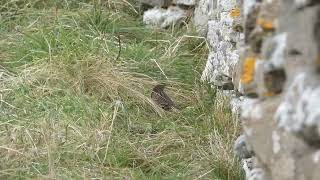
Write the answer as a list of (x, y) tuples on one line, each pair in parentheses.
[(160, 68), (31, 139), (201, 176), (66, 138), (10, 149), (115, 111), (119, 44)]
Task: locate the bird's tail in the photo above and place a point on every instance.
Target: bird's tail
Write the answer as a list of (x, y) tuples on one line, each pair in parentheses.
[(175, 109)]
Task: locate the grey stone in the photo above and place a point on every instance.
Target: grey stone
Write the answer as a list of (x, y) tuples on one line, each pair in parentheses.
[(204, 12), (156, 3), (302, 45), (163, 18), (185, 2), (224, 55), (270, 75), (242, 149), (299, 113)]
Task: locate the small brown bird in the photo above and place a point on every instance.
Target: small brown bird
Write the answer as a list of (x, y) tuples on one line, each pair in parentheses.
[(161, 98)]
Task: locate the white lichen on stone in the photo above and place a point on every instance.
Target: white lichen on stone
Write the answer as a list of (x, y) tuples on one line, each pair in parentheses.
[(316, 157), (246, 106), (235, 104), (248, 5), (224, 5), (223, 55), (251, 109), (278, 55), (274, 51), (163, 18), (286, 114), (204, 12), (276, 142), (300, 108), (186, 2), (252, 173), (248, 131), (312, 104), (256, 174), (247, 165), (300, 3), (257, 112)]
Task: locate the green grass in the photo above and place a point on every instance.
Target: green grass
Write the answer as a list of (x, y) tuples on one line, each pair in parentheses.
[(70, 109)]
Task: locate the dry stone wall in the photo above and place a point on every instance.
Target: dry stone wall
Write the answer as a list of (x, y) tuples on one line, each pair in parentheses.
[(268, 53)]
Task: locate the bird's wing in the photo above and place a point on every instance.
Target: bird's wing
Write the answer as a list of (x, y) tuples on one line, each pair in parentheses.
[(167, 98), (161, 100)]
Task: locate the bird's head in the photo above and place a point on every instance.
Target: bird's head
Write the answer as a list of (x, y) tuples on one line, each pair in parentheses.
[(159, 87)]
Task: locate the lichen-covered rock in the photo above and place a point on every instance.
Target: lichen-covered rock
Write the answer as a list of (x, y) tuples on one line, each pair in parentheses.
[(250, 12), (244, 73), (301, 27), (253, 169), (268, 14), (222, 40), (185, 2), (226, 6), (299, 112), (257, 117), (156, 3), (242, 148), (163, 18), (204, 11), (282, 124), (235, 104), (269, 72)]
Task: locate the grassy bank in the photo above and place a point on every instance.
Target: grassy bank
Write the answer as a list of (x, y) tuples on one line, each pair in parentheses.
[(75, 84)]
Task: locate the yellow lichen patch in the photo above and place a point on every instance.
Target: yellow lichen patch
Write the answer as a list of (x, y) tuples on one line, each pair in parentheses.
[(248, 70), (265, 24), (268, 94), (318, 61), (235, 12)]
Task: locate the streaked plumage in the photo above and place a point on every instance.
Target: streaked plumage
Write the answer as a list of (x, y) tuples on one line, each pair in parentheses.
[(161, 98)]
